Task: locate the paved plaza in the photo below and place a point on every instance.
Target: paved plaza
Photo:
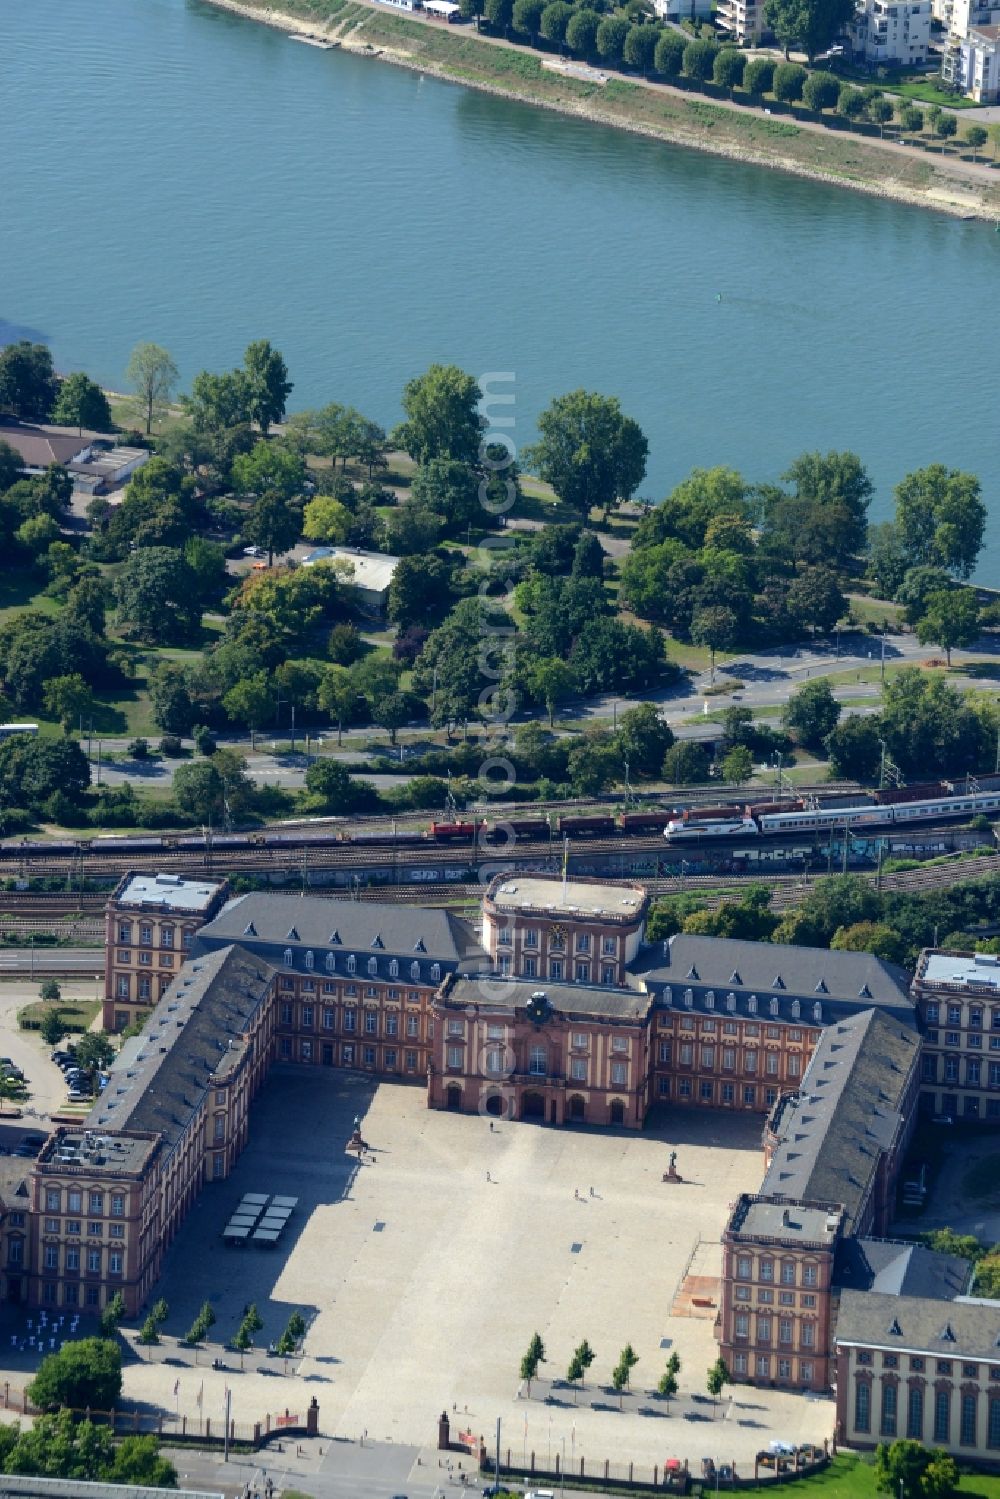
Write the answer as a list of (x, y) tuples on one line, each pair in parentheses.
[(425, 1272)]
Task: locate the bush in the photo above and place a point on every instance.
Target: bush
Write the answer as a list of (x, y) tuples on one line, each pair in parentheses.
[(729, 68), (204, 740), (789, 81), (139, 749), (699, 60), (669, 55), (758, 75), (171, 746), (821, 91)]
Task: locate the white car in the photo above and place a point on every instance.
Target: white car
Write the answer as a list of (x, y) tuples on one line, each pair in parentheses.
[(252, 552)]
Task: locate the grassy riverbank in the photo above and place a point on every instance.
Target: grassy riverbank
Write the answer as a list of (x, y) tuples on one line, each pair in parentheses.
[(908, 175)]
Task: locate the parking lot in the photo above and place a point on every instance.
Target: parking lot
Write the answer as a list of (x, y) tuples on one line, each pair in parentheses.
[(425, 1271)]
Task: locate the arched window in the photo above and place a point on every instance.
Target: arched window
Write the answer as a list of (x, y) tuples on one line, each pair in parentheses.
[(331, 962), (394, 968), (415, 971), (288, 957), (435, 972), (352, 963), (373, 966), (309, 960)]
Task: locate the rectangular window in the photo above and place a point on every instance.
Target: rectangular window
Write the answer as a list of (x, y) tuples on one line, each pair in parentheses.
[(455, 1058), (578, 1069), (93, 1260), (784, 1368), (808, 1275), (706, 1091), (806, 1372), (390, 1058), (785, 1330), (739, 1363), (889, 1394), (807, 1335), (350, 1020), (371, 1024), (411, 1061), (328, 1018), (53, 1200), (348, 1056), (741, 1325), (117, 1205), (368, 1056), (52, 1256), (750, 1061), (744, 1266), (749, 1096), (767, 1270), (115, 1263), (942, 1416), (968, 1436)]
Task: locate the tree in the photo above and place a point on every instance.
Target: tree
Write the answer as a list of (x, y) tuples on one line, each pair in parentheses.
[(153, 376), (717, 1378), (911, 119), (391, 711), (81, 403), (888, 558), (951, 619), (327, 520), (447, 487), (737, 765), (588, 557), (267, 384), (53, 1027), (67, 699), (201, 1326), (909, 1470), (94, 1052), (198, 791), (789, 81), (685, 764), (589, 451), (337, 790), (644, 738), (112, 1315), (814, 599), (252, 1323), (699, 59), (526, 16), (555, 18), (137, 1461), (155, 596), (945, 126), (534, 1356), (621, 1374), (876, 937), (976, 137), (668, 59), (640, 47), (85, 1373), (34, 770), (810, 24), (338, 696), (716, 629), (581, 32), (811, 713), (879, 110), (498, 14), (758, 76), (273, 524), (821, 91), (291, 1338), (667, 1384), (442, 416), (552, 680), (28, 384), (149, 1332), (728, 68), (583, 1357), (611, 34), (941, 514), (344, 644)]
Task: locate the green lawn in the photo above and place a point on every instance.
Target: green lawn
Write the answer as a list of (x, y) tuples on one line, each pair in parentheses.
[(851, 1477), (927, 91)]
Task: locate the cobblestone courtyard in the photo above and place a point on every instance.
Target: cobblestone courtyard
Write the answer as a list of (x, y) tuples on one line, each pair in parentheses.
[(426, 1272)]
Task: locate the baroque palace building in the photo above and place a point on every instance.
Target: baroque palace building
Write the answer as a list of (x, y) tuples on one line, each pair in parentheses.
[(556, 1009)]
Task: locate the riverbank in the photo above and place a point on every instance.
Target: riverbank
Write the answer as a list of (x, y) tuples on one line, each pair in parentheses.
[(879, 169)]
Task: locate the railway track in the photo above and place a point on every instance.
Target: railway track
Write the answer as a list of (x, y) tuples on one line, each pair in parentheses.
[(56, 903)]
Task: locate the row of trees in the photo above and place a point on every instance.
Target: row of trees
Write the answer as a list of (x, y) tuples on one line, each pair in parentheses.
[(583, 1356)]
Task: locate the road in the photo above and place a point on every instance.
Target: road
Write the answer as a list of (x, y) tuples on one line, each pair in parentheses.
[(32, 962)]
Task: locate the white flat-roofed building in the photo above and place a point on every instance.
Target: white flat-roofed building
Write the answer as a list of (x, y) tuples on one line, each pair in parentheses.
[(973, 65), (150, 922), (958, 1000), (891, 31), (373, 572)]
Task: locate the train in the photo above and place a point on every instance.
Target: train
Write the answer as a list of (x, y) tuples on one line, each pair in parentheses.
[(879, 811)]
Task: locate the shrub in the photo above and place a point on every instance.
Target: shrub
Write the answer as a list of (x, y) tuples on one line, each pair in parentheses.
[(821, 91), (171, 745), (699, 60), (669, 55), (789, 81), (729, 68), (758, 75)]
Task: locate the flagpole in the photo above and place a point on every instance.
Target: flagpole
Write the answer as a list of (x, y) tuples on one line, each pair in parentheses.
[(229, 1401), (565, 866)]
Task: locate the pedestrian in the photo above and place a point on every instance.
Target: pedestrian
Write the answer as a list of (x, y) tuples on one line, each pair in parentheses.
[(488, 1177), (591, 1191), (491, 1126), (576, 1194)]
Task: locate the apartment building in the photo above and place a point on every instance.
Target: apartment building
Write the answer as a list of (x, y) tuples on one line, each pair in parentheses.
[(972, 62), (354, 981), (538, 926), (922, 1366), (741, 21), (563, 1054), (736, 1023), (150, 923), (957, 995), (893, 33), (833, 1151)]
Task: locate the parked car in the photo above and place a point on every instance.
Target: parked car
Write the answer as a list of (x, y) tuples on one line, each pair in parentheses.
[(79, 1095)]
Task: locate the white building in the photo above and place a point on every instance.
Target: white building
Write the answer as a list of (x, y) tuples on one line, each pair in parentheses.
[(973, 64), (896, 32), (742, 21), (680, 10), (961, 16), (373, 572)]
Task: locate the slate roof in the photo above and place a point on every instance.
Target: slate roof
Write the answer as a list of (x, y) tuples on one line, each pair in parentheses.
[(918, 1324), (321, 934), (159, 1079), (897, 1269), (846, 1113), (41, 445), (497, 993), (772, 980)]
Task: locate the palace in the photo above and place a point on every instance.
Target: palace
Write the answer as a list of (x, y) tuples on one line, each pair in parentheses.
[(556, 1009)]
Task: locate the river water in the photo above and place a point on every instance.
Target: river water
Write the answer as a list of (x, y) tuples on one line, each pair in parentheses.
[(175, 173)]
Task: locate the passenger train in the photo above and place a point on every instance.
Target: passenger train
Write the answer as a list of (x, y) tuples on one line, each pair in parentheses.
[(754, 822)]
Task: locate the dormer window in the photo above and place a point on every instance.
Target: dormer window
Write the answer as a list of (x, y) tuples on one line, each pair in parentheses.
[(779, 982), (435, 972), (821, 987), (415, 971), (710, 999), (796, 1009), (287, 957), (331, 962), (377, 940), (688, 999), (309, 960), (734, 977), (692, 972), (292, 934), (394, 968), (334, 939), (774, 1007), (373, 966), (419, 946), (864, 992), (352, 963), (668, 994), (250, 930), (752, 1004), (730, 1001), (817, 1012)]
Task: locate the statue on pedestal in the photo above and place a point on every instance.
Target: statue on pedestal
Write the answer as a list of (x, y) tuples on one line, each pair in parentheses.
[(671, 1174)]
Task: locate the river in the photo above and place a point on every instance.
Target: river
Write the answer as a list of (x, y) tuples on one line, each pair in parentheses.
[(176, 173)]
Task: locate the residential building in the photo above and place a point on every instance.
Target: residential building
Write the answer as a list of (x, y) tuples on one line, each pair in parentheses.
[(921, 1366), (538, 926), (682, 10), (958, 998), (564, 1053), (372, 572), (355, 980), (972, 63), (960, 16), (833, 1152), (894, 33), (149, 925), (736, 1022), (94, 461), (741, 21)]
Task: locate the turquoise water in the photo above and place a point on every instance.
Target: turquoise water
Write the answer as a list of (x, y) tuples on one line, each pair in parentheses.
[(175, 173)]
